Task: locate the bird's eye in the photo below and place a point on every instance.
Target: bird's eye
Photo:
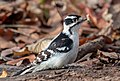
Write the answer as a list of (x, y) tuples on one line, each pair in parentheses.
[(75, 19), (68, 21)]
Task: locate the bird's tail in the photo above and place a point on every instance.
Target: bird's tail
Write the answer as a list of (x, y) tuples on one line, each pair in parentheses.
[(33, 68), (26, 70)]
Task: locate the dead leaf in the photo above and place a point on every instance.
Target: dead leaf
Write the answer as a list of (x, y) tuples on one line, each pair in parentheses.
[(84, 40), (86, 57), (4, 74), (6, 34), (7, 52), (33, 48), (108, 57), (56, 31), (24, 39), (21, 52), (13, 16), (1, 32), (27, 31), (6, 44), (39, 45), (35, 36), (101, 23), (89, 62), (115, 35), (20, 60), (97, 19), (92, 17)]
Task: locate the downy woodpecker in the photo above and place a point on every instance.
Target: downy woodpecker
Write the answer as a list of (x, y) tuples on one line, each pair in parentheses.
[(61, 51)]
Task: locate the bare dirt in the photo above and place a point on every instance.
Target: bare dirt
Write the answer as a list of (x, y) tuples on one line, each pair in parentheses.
[(73, 73)]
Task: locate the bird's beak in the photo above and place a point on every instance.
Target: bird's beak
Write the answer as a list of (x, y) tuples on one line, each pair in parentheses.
[(83, 19)]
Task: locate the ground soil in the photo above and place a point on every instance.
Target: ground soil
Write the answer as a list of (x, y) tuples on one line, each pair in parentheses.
[(73, 73)]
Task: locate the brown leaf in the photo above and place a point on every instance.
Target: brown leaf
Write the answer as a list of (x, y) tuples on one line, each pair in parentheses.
[(96, 19), (56, 31), (107, 39), (1, 31), (21, 52), (35, 36), (27, 31), (84, 40), (6, 44), (39, 45), (13, 17), (33, 48), (24, 39), (108, 57), (115, 35), (92, 16), (7, 52), (6, 34), (89, 62), (4, 74), (102, 23), (16, 61)]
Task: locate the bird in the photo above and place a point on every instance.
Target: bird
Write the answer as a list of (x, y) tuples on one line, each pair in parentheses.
[(61, 51)]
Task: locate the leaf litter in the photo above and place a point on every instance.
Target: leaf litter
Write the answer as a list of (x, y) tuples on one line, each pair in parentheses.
[(27, 27)]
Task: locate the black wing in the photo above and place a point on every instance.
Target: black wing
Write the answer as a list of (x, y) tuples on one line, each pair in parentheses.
[(61, 44)]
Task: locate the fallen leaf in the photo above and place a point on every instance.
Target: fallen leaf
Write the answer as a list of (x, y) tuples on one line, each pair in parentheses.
[(35, 36), (20, 60), (84, 40), (108, 57), (91, 17), (27, 31), (115, 36), (96, 19), (21, 52), (39, 45), (101, 23), (89, 63), (6, 44), (24, 39), (33, 48), (4, 74), (8, 34), (5, 54)]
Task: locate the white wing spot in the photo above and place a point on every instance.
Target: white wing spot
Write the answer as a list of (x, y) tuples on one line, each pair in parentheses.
[(38, 59), (62, 48), (51, 51), (44, 55)]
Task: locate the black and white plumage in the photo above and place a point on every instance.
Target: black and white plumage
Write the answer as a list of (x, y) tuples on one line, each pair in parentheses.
[(61, 51)]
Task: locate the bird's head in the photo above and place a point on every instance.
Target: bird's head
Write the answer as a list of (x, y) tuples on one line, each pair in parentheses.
[(72, 22)]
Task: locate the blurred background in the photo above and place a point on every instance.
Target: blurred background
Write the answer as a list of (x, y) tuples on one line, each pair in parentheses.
[(25, 21)]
